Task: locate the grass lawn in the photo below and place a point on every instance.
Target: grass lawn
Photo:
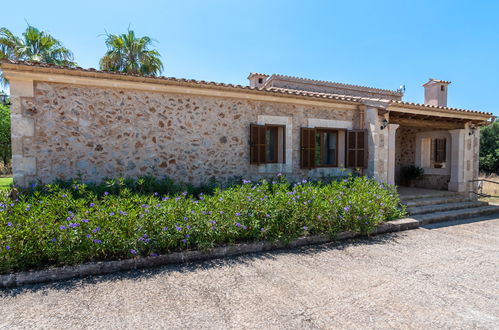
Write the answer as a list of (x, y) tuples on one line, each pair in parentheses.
[(5, 183)]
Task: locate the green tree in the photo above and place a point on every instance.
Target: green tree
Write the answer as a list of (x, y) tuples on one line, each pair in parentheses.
[(5, 142), (33, 46), (130, 54), (489, 148)]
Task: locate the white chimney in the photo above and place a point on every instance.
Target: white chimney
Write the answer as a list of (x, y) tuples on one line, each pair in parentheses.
[(257, 79), (435, 92)]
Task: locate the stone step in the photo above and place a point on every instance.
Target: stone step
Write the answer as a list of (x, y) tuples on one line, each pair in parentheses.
[(454, 198), (433, 194), (456, 214), (444, 207)]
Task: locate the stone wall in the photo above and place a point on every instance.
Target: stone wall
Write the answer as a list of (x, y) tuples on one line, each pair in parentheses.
[(96, 132)]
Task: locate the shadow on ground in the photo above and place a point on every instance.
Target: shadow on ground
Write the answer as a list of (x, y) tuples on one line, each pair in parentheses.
[(141, 274)]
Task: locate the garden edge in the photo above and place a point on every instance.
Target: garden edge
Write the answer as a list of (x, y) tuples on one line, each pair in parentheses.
[(107, 267)]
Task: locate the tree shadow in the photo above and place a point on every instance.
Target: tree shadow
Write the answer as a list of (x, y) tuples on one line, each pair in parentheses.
[(140, 274)]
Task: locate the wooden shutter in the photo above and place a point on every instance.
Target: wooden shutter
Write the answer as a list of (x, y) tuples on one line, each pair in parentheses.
[(307, 151), (257, 144), (439, 156), (356, 148)]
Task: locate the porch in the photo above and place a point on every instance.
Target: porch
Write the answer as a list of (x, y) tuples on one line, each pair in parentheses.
[(445, 149)]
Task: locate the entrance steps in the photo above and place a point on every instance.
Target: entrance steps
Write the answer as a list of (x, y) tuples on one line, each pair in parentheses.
[(431, 206)]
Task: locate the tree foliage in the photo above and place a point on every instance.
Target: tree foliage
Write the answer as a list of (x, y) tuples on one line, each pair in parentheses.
[(489, 148), (34, 45), (130, 54), (5, 142)]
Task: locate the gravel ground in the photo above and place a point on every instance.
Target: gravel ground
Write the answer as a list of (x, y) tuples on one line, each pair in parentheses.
[(440, 276)]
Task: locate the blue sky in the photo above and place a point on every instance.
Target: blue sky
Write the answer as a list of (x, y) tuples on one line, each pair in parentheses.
[(382, 44)]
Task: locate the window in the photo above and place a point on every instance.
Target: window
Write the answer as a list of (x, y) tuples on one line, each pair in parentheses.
[(433, 152), (326, 148), (260, 80), (439, 153), (442, 88), (320, 147), (266, 144)]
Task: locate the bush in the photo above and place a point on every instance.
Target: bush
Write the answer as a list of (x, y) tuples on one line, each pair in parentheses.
[(59, 225), (5, 140), (489, 148)]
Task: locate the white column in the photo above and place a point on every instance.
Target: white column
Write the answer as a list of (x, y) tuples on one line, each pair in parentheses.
[(372, 126), (392, 130), (457, 166)]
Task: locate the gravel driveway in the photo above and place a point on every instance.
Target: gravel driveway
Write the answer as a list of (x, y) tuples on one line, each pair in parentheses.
[(442, 276)]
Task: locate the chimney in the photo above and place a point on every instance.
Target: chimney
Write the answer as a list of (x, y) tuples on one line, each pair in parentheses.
[(435, 92), (257, 79)]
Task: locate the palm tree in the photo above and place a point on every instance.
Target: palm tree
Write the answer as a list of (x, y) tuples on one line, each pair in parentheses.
[(129, 54), (33, 46)]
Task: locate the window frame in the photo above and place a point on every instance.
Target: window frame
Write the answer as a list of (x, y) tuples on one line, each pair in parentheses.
[(276, 127), (323, 154)]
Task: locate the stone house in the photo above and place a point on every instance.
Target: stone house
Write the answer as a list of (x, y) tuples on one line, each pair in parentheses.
[(77, 122)]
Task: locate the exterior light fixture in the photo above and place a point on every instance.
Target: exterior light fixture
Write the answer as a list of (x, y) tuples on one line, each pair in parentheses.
[(4, 98), (384, 123)]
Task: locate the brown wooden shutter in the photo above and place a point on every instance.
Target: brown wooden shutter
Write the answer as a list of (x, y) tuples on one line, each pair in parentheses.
[(439, 148), (356, 148), (257, 144), (307, 153)]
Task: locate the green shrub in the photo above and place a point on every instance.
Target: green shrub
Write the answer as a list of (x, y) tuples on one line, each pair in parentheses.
[(68, 224)]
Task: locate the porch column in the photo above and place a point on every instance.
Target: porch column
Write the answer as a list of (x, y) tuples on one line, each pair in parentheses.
[(392, 130), (457, 178), (377, 146)]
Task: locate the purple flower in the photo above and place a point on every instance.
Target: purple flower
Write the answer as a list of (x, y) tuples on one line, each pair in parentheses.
[(186, 218), (165, 228), (184, 240), (238, 214), (88, 235), (74, 225), (262, 229), (246, 181), (153, 254), (62, 227), (221, 212), (346, 209), (7, 247), (92, 204), (54, 240), (305, 228), (145, 236), (97, 241), (304, 181), (64, 196), (111, 214), (238, 224), (158, 205), (164, 199), (96, 230), (178, 228), (106, 193), (84, 220), (132, 251), (244, 227), (155, 194), (9, 224), (214, 228), (188, 227), (187, 236)]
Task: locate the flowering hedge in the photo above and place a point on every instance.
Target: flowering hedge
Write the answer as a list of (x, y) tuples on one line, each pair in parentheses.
[(52, 225)]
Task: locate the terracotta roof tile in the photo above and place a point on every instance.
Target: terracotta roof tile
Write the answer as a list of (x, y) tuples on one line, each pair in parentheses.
[(273, 90)]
